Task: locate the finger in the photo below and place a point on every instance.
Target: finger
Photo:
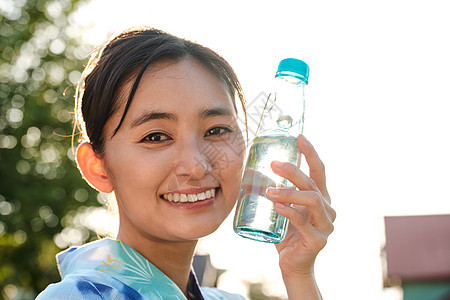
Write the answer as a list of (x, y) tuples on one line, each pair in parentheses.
[(311, 235), (330, 211), (311, 200), (294, 175), (316, 166), (302, 182)]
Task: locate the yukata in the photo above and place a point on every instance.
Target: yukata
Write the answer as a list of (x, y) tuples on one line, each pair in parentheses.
[(110, 269)]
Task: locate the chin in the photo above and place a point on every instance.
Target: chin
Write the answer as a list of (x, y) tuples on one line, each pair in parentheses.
[(203, 231)]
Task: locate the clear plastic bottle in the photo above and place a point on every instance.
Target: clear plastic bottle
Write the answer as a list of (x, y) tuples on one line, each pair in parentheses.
[(281, 122)]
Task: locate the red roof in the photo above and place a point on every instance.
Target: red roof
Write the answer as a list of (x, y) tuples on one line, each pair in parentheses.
[(418, 247)]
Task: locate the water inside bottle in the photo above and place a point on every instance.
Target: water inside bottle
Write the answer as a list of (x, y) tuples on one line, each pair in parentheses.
[(258, 219)]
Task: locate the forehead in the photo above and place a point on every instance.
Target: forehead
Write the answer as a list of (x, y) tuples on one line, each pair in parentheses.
[(185, 84)]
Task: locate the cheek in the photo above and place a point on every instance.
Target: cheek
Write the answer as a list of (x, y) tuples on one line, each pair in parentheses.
[(234, 151), (239, 156), (232, 165), (133, 169)]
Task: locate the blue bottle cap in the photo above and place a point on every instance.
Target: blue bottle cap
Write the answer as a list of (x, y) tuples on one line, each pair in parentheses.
[(293, 67)]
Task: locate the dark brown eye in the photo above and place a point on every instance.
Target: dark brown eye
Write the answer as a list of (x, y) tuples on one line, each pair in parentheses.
[(218, 131), (156, 137)]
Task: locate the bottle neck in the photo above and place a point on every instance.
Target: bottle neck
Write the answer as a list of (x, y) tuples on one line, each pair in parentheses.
[(284, 110)]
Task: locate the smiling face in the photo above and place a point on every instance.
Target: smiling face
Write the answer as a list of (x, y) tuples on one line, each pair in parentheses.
[(176, 162)]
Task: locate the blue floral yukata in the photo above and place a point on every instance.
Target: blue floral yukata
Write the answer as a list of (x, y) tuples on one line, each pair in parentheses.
[(110, 269)]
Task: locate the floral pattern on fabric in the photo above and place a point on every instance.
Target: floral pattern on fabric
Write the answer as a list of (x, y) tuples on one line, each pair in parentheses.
[(110, 269)]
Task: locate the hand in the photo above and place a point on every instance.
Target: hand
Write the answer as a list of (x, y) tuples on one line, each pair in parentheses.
[(310, 215)]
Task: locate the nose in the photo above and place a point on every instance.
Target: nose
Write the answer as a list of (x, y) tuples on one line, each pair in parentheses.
[(192, 160)]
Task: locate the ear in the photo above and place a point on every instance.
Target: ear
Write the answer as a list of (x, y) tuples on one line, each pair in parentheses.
[(91, 166)]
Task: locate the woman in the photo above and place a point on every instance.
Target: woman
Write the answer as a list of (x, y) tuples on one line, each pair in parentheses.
[(150, 106)]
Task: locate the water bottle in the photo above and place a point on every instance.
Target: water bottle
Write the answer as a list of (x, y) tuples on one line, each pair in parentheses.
[(280, 124)]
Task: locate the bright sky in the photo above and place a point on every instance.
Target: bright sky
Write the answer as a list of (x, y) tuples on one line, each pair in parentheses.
[(377, 112)]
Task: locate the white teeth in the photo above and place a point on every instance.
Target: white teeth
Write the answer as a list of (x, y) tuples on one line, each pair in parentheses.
[(175, 197), (183, 198)]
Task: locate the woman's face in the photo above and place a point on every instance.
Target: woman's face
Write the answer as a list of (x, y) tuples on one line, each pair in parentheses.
[(176, 161)]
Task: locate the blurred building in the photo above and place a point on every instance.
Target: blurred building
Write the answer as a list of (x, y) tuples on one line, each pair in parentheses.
[(416, 256)]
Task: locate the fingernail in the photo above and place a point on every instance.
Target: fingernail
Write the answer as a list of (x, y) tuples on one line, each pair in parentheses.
[(273, 191), (304, 139), (276, 164)]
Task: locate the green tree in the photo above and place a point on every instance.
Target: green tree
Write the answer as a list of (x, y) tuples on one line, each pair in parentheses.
[(41, 191)]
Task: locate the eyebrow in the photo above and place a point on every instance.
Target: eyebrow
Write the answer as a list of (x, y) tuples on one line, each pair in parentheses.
[(148, 116), (156, 115), (217, 111)]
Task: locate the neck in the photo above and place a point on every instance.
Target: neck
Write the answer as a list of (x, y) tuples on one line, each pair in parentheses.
[(174, 259)]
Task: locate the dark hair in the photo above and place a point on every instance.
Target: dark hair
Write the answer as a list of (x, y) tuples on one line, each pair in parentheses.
[(126, 57)]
